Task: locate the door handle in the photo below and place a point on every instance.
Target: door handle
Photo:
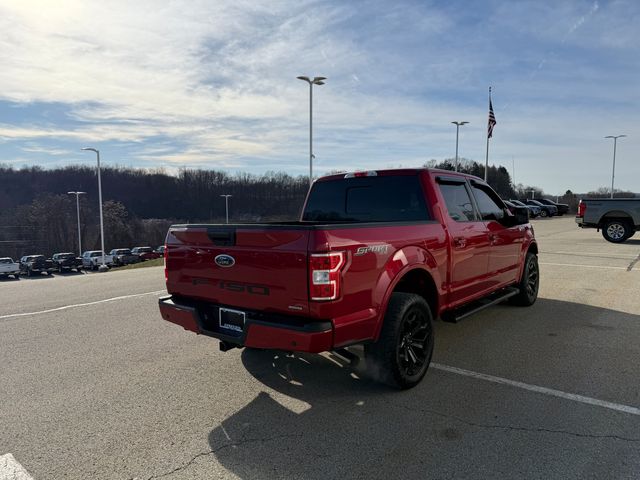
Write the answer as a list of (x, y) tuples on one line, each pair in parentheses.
[(459, 242), (492, 238)]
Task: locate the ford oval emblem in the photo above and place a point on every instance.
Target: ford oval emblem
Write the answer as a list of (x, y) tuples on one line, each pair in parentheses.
[(225, 260)]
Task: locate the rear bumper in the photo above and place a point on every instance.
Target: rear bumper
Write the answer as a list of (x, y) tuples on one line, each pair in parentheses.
[(70, 266), (278, 332)]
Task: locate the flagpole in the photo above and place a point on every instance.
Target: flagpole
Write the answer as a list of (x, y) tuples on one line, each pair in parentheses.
[(486, 161)]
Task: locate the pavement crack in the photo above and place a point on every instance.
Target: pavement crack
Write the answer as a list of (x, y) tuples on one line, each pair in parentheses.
[(527, 429), (633, 263), (241, 442)]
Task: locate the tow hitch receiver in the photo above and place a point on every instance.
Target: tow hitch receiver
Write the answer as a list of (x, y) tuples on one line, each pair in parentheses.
[(226, 346)]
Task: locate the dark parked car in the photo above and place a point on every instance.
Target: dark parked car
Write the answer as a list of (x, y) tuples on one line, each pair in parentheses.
[(68, 261), (545, 210), (534, 210), (124, 256), (514, 209), (562, 207), (145, 253), (160, 250), (31, 264)]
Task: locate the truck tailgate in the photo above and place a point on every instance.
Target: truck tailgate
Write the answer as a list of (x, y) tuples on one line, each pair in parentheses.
[(249, 267)]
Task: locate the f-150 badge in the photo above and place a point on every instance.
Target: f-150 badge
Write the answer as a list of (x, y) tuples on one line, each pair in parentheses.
[(372, 249)]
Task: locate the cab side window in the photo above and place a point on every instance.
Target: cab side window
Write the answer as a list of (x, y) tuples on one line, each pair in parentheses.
[(489, 208), (458, 202)]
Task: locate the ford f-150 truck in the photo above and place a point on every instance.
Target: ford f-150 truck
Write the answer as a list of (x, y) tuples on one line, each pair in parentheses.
[(618, 218), (375, 257), (30, 264), (92, 259)]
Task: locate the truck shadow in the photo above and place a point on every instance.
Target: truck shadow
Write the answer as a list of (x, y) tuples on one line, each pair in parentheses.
[(5, 278), (36, 276), (69, 273), (320, 418)]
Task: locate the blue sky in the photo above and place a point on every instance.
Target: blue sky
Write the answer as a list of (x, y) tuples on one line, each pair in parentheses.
[(213, 85)]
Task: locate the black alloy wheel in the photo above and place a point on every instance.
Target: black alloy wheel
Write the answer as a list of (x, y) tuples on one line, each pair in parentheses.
[(402, 354), (413, 348), (529, 283)]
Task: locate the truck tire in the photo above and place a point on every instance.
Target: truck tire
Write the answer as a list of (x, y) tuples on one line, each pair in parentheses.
[(616, 231), (402, 354), (529, 283)]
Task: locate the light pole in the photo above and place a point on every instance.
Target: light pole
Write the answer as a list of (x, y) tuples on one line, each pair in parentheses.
[(532, 192), (103, 267), (311, 82), (615, 142), (226, 204), (77, 194), (458, 125)]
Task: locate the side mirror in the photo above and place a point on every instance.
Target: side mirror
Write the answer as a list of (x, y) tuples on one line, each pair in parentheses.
[(518, 216)]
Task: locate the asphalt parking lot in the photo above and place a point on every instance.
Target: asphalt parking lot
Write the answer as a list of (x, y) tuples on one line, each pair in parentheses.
[(95, 385)]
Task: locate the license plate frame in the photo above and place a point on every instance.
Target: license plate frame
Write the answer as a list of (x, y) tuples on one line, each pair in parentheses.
[(230, 319)]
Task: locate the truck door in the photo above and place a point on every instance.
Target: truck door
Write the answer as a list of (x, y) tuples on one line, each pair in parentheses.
[(469, 241), (506, 242)]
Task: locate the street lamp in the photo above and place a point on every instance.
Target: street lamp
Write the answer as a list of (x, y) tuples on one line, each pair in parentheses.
[(226, 204), (103, 267), (311, 82), (77, 194), (615, 142), (458, 125)]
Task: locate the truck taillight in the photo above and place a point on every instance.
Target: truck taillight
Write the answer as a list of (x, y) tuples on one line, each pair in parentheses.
[(325, 275), (165, 255), (370, 173), (582, 207)]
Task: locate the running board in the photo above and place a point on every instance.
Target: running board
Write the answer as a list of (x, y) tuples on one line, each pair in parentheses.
[(454, 316)]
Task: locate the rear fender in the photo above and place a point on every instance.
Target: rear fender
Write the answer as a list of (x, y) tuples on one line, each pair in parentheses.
[(618, 214), (402, 262), (530, 246)]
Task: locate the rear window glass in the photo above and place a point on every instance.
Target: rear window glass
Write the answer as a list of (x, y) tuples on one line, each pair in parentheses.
[(367, 199)]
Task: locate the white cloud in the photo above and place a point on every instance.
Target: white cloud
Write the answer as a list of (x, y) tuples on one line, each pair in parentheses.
[(213, 83)]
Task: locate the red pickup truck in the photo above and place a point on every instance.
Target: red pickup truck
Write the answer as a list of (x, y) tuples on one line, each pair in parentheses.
[(375, 257)]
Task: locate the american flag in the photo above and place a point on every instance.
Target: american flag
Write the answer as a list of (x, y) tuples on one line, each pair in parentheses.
[(492, 120)]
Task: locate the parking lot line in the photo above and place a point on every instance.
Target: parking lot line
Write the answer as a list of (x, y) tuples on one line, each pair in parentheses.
[(606, 267), (538, 389), (11, 469), (66, 307), (588, 254)]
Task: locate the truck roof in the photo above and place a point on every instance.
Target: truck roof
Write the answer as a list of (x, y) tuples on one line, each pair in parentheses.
[(395, 171)]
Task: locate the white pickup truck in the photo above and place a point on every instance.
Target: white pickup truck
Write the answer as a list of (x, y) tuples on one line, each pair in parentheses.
[(92, 259), (9, 267)]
